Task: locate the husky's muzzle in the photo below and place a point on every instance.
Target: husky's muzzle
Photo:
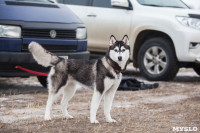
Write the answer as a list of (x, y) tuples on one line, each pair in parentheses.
[(120, 58)]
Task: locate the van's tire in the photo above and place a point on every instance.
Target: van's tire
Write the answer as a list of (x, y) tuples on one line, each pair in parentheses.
[(157, 60), (197, 68), (42, 80)]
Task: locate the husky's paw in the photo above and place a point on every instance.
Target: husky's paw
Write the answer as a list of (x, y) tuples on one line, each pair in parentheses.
[(68, 116), (94, 121), (47, 118), (111, 121)]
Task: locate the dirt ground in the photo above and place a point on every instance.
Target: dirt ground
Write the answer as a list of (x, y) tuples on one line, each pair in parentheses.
[(173, 104)]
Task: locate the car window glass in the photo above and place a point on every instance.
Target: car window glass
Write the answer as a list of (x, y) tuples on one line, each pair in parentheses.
[(75, 2), (163, 3), (102, 3)]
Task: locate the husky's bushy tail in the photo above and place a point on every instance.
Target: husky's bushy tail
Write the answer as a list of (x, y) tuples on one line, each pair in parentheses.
[(42, 56)]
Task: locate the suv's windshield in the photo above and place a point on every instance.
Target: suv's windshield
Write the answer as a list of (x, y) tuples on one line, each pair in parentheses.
[(163, 3)]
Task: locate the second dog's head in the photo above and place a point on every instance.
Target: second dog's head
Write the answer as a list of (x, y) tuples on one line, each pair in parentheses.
[(119, 51)]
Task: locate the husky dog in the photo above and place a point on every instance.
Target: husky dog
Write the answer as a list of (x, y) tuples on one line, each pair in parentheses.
[(103, 76)]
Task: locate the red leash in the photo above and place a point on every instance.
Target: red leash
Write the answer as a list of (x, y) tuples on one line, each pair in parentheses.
[(30, 71)]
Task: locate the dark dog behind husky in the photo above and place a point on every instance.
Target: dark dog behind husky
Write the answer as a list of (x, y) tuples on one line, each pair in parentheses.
[(103, 76)]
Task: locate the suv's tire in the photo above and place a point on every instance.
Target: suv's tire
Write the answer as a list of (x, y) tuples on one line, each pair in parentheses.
[(157, 60), (197, 68), (42, 80)]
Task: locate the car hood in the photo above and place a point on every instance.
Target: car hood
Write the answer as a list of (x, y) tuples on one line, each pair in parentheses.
[(37, 12), (180, 12), (167, 11)]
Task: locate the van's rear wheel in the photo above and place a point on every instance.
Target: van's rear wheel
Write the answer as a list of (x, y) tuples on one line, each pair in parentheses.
[(157, 60), (42, 80)]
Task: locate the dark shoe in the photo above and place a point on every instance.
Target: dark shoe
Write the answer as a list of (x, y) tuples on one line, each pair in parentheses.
[(155, 85)]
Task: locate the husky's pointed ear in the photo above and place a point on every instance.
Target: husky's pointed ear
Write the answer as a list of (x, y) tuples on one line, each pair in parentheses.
[(112, 40), (125, 40)]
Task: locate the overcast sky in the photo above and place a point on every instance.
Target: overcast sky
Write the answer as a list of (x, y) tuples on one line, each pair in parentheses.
[(195, 4)]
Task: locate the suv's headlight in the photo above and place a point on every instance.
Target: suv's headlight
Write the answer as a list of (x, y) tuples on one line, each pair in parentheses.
[(189, 22), (10, 31), (81, 33)]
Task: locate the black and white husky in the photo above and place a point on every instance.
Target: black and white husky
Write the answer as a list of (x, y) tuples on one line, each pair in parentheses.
[(102, 75)]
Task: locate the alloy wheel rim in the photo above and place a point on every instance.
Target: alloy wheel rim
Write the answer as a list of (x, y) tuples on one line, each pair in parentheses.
[(155, 60)]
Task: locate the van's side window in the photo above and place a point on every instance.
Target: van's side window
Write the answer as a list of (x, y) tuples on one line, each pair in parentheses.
[(102, 3), (75, 2)]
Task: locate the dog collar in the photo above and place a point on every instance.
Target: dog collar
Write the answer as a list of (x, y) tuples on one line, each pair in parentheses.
[(117, 71)]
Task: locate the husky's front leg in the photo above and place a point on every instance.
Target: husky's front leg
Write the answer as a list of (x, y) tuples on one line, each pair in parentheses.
[(96, 98), (108, 99), (51, 98)]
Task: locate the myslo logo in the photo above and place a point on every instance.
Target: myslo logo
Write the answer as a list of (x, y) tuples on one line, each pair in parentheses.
[(185, 129)]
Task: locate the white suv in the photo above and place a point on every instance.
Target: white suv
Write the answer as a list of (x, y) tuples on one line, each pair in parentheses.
[(164, 34)]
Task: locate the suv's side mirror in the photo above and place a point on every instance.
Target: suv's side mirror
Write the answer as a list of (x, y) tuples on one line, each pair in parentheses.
[(120, 3)]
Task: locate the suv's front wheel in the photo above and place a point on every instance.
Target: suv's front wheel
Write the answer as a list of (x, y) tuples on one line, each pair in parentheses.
[(157, 60)]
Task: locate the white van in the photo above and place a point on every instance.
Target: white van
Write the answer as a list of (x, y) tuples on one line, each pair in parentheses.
[(164, 34)]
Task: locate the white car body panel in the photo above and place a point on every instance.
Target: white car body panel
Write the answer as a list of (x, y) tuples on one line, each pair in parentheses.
[(99, 34)]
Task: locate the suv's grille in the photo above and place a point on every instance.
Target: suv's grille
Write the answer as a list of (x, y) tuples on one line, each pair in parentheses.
[(43, 33)]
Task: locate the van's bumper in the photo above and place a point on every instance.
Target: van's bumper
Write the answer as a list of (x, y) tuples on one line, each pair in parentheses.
[(18, 44), (8, 60)]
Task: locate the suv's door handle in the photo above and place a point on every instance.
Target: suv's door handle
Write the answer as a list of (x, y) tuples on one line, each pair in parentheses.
[(92, 15)]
